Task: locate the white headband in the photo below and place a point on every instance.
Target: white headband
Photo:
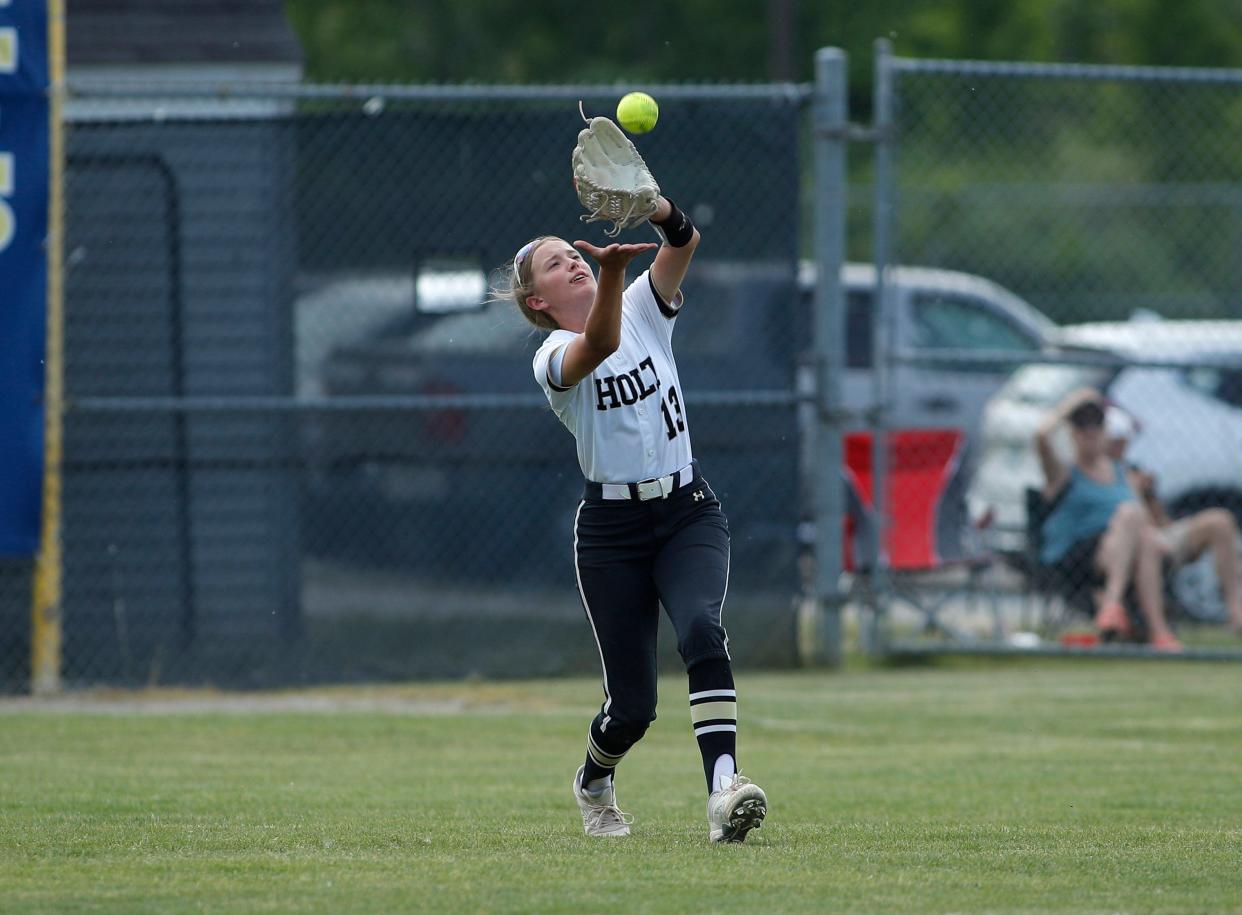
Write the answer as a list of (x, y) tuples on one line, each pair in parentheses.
[(517, 258)]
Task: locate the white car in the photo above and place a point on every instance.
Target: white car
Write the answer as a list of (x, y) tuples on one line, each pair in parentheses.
[(1189, 414)]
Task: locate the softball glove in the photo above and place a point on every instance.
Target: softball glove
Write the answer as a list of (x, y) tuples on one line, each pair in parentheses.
[(611, 178)]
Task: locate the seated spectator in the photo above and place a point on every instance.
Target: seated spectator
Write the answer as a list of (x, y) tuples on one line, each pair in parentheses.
[(1184, 539), (1098, 532)]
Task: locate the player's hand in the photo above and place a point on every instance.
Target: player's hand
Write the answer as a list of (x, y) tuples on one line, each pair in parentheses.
[(615, 256)]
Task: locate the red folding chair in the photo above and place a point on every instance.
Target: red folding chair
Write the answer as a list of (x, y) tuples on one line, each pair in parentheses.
[(927, 531)]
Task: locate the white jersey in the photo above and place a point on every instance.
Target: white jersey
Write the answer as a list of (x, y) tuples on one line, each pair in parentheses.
[(627, 415)]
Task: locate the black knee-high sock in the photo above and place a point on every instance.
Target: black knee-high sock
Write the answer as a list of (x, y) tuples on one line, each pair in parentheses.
[(713, 712), (603, 753)]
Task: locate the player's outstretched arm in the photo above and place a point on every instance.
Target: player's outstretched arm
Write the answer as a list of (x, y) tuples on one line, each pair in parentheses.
[(602, 334), (671, 263)]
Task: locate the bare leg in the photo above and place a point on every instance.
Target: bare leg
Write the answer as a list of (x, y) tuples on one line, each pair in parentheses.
[(1216, 529), (1149, 583), (1116, 554)]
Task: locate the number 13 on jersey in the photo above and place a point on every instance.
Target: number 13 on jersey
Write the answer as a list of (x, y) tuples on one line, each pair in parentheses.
[(673, 421)]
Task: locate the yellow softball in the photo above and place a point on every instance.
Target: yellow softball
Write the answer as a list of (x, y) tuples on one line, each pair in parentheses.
[(637, 112)]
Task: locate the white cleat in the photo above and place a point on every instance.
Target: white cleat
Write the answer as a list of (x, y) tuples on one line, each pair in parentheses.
[(600, 815), (735, 810)]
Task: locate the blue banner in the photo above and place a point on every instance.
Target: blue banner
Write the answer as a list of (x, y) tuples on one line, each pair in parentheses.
[(23, 267)]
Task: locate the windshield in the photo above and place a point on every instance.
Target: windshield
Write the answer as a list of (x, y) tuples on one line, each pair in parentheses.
[(1047, 384), (497, 328)]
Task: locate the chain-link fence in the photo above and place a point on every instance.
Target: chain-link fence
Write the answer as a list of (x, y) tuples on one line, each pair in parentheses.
[(1109, 201), (301, 444)]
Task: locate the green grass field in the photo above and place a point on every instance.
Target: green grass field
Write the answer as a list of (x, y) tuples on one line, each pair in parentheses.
[(1021, 786)]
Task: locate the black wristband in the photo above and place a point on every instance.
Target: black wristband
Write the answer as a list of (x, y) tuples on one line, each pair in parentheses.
[(676, 228)]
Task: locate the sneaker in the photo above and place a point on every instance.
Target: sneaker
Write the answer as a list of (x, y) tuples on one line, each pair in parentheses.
[(735, 810), (600, 815)]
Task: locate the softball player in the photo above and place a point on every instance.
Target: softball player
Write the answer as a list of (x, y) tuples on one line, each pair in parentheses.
[(649, 529)]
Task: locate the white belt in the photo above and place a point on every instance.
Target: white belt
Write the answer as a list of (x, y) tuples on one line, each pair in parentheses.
[(659, 488)]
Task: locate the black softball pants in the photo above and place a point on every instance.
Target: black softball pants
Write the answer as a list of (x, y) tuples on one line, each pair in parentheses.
[(631, 557)]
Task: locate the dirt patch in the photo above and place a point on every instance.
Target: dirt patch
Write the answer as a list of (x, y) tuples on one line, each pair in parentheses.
[(210, 702)]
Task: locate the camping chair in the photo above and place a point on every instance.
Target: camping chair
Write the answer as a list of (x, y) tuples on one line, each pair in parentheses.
[(1062, 599), (926, 538), (1058, 598)]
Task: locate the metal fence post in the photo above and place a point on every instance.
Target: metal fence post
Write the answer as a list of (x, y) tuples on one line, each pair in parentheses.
[(882, 345), (46, 617), (829, 123)]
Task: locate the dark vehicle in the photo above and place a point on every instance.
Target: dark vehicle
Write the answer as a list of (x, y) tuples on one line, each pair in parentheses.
[(487, 489)]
